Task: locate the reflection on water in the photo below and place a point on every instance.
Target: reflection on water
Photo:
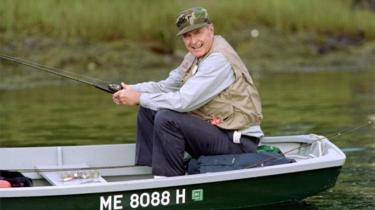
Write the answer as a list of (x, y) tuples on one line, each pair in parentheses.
[(293, 103)]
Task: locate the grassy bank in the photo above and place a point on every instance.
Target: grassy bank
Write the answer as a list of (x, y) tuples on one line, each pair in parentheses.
[(153, 21), (131, 61)]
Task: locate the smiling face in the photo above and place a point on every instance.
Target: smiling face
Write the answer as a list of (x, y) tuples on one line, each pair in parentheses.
[(199, 41)]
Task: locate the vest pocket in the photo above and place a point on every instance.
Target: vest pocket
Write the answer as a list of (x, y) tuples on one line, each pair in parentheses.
[(236, 121), (218, 109)]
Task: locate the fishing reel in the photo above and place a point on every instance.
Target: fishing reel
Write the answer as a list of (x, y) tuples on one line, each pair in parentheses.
[(114, 87)]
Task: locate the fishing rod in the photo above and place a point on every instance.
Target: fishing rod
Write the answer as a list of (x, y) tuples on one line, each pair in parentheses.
[(109, 88), (345, 131)]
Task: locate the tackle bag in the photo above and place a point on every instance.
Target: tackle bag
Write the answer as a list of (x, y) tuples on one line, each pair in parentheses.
[(216, 163), (15, 178)]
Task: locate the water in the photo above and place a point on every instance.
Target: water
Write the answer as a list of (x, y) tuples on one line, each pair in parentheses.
[(293, 103)]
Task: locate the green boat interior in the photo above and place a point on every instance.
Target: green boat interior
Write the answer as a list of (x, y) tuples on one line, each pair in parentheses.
[(77, 165)]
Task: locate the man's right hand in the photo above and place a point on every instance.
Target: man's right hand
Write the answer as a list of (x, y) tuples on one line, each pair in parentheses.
[(126, 96)]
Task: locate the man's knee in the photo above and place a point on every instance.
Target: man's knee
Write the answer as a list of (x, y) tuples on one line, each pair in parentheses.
[(164, 117)]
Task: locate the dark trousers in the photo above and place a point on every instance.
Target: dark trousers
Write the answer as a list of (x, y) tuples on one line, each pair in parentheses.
[(164, 136)]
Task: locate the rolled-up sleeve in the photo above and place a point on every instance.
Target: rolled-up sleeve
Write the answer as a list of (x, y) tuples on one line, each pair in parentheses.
[(214, 74)]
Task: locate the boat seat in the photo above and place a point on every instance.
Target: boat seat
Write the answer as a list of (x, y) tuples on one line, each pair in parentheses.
[(306, 139), (56, 177)]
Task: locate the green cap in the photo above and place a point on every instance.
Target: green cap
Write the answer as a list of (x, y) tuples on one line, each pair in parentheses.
[(191, 19)]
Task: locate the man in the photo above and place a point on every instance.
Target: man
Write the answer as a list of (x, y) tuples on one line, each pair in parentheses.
[(208, 105)]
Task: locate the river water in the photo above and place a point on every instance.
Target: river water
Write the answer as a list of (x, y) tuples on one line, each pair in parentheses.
[(324, 103)]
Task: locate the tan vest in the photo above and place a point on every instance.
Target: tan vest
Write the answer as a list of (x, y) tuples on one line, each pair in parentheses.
[(237, 107)]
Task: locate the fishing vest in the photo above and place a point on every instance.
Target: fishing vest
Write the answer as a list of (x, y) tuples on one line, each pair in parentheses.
[(238, 106)]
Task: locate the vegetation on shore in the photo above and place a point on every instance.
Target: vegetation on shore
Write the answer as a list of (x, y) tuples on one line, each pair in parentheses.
[(154, 20)]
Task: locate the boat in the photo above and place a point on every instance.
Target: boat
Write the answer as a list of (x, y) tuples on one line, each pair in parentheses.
[(108, 179)]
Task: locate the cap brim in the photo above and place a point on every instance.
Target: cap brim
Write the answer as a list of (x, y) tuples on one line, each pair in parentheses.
[(190, 28)]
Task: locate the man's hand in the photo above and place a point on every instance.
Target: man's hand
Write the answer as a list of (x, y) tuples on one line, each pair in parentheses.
[(126, 96)]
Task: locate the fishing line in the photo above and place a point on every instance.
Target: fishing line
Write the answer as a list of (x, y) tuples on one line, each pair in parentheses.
[(348, 130)]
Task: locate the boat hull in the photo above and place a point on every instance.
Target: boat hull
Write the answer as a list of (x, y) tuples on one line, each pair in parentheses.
[(231, 194)]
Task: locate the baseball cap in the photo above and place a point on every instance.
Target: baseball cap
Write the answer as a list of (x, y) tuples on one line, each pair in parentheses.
[(191, 19)]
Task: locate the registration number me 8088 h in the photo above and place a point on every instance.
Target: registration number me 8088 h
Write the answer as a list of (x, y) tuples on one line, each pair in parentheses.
[(144, 199)]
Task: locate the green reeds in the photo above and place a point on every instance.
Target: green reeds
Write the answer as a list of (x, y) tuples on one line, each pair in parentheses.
[(153, 20)]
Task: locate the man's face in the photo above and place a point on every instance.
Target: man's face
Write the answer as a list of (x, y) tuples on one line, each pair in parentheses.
[(199, 41)]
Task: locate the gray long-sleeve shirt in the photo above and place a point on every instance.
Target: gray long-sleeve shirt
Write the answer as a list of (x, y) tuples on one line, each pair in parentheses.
[(214, 74)]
